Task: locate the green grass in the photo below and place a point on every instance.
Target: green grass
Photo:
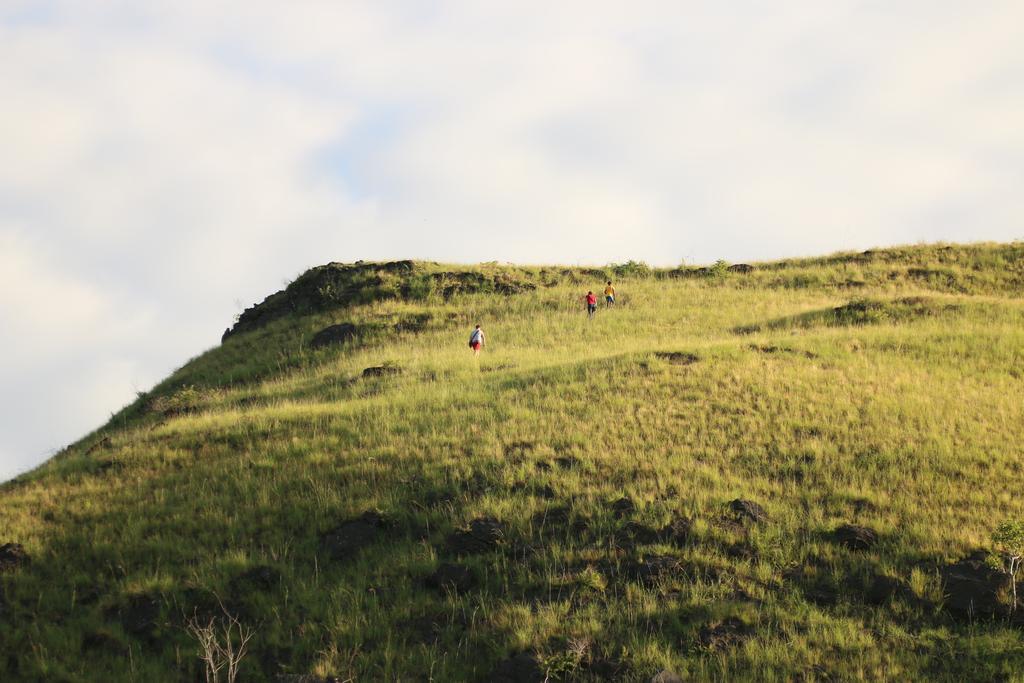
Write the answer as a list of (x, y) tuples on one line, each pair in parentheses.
[(901, 412)]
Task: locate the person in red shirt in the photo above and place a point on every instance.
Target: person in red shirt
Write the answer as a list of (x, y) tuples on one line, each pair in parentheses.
[(591, 304)]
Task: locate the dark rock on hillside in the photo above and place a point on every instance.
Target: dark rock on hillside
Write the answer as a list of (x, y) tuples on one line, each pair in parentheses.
[(103, 641), (581, 525), (607, 666), (102, 443), (623, 507), (553, 517), (353, 535), (107, 466), (199, 603), (450, 284), (821, 593), (816, 579), (425, 630), (261, 578), (723, 634), (519, 668), (677, 357), (691, 272), (568, 462), (507, 286), (741, 268), (741, 551), (766, 348), (972, 587), (635, 533), (266, 657), (730, 524), (482, 535), (747, 509), (517, 450), (439, 497), (382, 371), (428, 627), (541, 491), (404, 266), (334, 335), (449, 576), (881, 589), (855, 537), (652, 568), (89, 593), (413, 323), (818, 587), (545, 492), (773, 349), (476, 485), (679, 531), (12, 556), (139, 616)]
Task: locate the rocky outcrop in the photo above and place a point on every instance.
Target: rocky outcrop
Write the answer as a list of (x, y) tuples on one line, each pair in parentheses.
[(855, 537), (334, 335), (351, 536), (342, 285), (747, 509)]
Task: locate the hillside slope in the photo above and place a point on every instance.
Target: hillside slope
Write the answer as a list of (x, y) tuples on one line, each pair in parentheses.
[(783, 471)]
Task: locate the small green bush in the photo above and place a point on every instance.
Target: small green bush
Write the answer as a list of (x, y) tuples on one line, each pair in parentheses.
[(803, 281), (1008, 539), (419, 287), (183, 401), (630, 269)]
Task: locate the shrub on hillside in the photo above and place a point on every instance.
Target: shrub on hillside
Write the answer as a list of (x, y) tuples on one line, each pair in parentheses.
[(418, 287), (1008, 539), (630, 269), (803, 280), (183, 401)]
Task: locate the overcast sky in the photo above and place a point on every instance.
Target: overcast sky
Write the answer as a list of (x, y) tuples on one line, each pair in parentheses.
[(164, 164)]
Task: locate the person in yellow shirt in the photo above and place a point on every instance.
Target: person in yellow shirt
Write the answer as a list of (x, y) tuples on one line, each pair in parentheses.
[(609, 295)]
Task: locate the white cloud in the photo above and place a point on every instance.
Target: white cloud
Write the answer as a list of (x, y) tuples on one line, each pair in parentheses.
[(31, 291), (162, 161)]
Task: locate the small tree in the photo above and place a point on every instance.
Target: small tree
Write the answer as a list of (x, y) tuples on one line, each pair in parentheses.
[(1008, 539), (222, 643)]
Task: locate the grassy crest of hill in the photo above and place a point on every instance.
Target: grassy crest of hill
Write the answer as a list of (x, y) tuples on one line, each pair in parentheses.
[(784, 471)]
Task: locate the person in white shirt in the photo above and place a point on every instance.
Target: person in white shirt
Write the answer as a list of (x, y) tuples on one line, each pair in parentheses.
[(476, 340)]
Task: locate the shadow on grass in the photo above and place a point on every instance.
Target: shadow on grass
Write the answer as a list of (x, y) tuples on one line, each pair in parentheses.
[(858, 312)]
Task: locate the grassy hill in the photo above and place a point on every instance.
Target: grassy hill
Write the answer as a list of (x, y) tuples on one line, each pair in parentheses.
[(664, 486)]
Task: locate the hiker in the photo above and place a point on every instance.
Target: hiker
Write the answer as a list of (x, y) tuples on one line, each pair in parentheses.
[(591, 304), (609, 295), (476, 340)]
